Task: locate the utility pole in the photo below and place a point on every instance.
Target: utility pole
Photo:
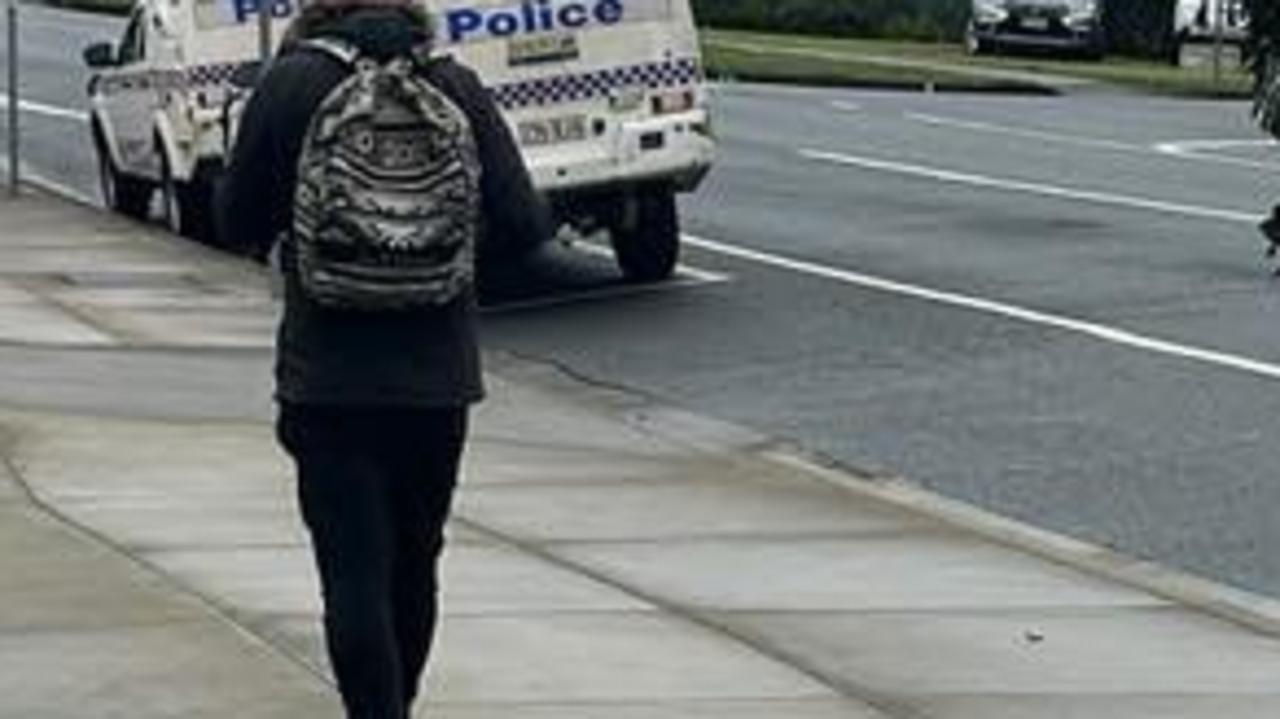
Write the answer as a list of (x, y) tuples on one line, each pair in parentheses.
[(1219, 39), (15, 173), (264, 30)]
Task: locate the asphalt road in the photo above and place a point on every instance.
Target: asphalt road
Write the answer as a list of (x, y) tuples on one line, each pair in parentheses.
[(1054, 308)]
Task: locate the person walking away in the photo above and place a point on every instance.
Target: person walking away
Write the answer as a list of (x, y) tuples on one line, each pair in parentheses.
[(1267, 112), (1263, 46), (376, 168)]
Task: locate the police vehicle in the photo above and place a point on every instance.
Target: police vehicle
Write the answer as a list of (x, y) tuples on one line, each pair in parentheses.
[(606, 97), (1199, 22)]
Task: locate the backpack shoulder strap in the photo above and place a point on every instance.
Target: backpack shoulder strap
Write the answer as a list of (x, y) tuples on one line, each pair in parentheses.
[(335, 48)]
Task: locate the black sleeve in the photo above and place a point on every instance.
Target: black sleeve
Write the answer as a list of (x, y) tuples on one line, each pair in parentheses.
[(516, 215), (256, 199), (250, 188)]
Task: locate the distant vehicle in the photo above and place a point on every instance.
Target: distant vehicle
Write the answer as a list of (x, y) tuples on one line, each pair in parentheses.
[(606, 97), (1064, 26), (1196, 21)]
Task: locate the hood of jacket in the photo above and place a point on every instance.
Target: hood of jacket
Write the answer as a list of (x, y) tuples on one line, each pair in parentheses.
[(379, 33)]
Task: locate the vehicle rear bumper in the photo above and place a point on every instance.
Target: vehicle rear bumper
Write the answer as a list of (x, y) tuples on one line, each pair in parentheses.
[(675, 148), (1065, 39)]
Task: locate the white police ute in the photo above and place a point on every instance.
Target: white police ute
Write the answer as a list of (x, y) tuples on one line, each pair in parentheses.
[(606, 97), (1200, 19)]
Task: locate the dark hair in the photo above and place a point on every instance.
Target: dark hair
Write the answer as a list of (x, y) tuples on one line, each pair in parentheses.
[(316, 16)]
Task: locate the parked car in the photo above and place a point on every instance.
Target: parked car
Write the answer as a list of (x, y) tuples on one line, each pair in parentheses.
[(1197, 22), (1063, 26), (607, 99)]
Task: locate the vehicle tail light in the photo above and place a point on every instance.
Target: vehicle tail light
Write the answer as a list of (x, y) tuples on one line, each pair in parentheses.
[(673, 102)]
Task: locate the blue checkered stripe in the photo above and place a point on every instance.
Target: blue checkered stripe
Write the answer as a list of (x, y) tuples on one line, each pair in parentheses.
[(216, 74), (197, 76), (591, 85)]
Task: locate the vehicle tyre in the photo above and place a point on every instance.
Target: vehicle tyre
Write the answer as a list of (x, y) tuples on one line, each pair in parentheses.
[(646, 235), (187, 206), (196, 199), (121, 193)]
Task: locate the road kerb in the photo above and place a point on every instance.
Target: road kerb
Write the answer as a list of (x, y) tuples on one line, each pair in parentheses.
[(39, 182), (1248, 609)]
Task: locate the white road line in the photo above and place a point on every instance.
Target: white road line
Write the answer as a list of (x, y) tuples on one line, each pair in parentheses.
[(1065, 193), (693, 273), (1186, 150), (39, 108), (1027, 133), (1103, 333), (607, 292), (685, 277), (845, 106), (1195, 145), (1202, 149)]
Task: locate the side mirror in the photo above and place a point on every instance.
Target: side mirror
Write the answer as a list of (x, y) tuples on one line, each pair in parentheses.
[(246, 75), (100, 55)]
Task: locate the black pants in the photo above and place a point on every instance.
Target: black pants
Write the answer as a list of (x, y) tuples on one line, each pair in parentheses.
[(375, 487)]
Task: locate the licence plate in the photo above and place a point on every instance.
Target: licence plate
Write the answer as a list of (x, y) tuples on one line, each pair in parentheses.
[(542, 49), (1038, 24), (553, 131)]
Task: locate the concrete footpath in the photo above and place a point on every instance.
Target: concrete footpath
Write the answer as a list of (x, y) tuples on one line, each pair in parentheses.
[(609, 558)]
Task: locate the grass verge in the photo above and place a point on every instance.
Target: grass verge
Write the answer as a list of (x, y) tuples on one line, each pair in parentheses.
[(730, 63), (828, 61)]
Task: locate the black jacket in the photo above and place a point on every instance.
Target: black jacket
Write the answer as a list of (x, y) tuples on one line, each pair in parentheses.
[(423, 358)]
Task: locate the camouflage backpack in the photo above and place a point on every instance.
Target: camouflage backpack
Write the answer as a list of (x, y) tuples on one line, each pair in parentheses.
[(387, 209)]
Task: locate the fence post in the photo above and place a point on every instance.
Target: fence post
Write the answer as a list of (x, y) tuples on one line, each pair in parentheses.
[(15, 161)]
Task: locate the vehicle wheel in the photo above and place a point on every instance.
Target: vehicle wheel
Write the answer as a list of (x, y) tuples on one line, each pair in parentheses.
[(187, 206), (126, 195), (646, 235), (196, 200)]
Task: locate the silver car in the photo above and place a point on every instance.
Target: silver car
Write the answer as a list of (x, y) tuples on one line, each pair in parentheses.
[(1065, 26)]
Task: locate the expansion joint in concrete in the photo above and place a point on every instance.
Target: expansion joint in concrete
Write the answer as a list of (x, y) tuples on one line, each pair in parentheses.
[(888, 705), (92, 319), (215, 609)]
